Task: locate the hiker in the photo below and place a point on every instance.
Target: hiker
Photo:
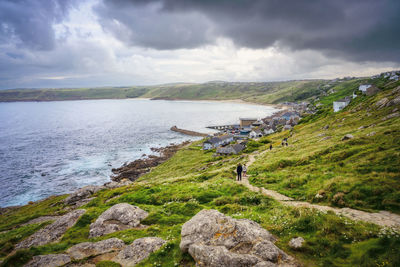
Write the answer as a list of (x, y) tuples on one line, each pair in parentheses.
[(270, 147), (239, 170), (244, 170)]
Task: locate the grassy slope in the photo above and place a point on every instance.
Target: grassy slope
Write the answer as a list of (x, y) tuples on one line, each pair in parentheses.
[(273, 92), (365, 169), (193, 180)]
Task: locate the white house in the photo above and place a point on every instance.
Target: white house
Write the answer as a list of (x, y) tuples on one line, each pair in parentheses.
[(215, 142), (363, 87), (268, 131), (340, 104), (255, 134)]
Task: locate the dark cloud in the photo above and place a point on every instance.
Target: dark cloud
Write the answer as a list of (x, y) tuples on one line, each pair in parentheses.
[(367, 30), (30, 23)]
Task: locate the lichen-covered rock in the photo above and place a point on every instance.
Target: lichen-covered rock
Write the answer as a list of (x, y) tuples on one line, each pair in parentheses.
[(215, 229), (139, 250), (218, 256), (391, 116), (119, 217), (296, 243), (82, 193), (214, 239), (50, 260), (347, 137), (393, 102), (52, 232), (86, 249)]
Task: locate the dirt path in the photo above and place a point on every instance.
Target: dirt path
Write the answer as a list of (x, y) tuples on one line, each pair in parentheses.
[(382, 218)]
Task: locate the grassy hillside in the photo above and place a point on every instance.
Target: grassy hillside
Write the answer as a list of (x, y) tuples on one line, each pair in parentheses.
[(364, 171)]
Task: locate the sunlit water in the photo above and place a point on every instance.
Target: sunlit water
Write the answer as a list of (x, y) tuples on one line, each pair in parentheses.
[(49, 148)]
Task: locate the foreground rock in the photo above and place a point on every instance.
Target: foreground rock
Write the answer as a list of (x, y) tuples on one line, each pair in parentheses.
[(214, 239), (136, 168), (139, 250), (87, 249), (52, 232), (51, 260), (119, 217)]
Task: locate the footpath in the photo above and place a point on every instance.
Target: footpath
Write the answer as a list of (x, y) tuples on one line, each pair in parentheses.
[(382, 218)]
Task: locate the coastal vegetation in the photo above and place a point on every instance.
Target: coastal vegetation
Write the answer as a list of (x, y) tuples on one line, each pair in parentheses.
[(361, 172)]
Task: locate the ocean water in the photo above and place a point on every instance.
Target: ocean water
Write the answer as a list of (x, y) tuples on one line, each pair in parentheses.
[(49, 148)]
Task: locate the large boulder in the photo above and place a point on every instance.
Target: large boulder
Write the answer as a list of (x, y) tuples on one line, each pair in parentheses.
[(87, 249), (119, 217), (394, 101), (52, 232), (50, 260), (81, 194), (381, 103), (214, 239), (139, 250)]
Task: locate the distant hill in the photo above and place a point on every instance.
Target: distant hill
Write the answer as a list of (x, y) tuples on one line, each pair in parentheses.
[(259, 92)]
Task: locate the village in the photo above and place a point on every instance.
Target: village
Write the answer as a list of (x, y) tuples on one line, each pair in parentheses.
[(232, 139)]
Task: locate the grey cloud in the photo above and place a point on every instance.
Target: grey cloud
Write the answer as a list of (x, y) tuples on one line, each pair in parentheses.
[(367, 30), (30, 23)]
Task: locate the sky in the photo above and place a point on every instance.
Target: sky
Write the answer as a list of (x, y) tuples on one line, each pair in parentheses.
[(91, 43)]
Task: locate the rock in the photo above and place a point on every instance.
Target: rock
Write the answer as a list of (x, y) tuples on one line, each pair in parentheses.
[(381, 103), (119, 217), (50, 260), (114, 184), (219, 256), (52, 232), (82, 193), (326, 127), (139, 250), (321, 134), (296, 243), (362, 127), (319, 196), (347, 137), (391, 116), (214, 239), (371, 134), (393, 102), (326, 138), (86, 249)]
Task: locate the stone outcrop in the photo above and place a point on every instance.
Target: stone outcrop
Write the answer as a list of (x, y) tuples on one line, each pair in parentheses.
[(87, 249), (214, 239), (113, 184), (50, 260), (81, 194), (296, 243), (347, 137), (119, 217), (381, 103), (391, 116), (52, 232), (139, 250)]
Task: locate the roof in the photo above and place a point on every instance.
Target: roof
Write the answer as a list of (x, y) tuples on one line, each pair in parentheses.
[(247, 119), (346, 100), (257, 131)]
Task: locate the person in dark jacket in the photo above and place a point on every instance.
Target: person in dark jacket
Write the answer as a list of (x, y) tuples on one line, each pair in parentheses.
[(270, 147), (239, 170)]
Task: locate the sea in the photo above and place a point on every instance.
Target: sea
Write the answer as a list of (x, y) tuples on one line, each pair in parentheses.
[(52, 148)]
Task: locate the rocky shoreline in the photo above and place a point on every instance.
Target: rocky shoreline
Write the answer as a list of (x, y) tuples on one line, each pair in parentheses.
[(136, 168)]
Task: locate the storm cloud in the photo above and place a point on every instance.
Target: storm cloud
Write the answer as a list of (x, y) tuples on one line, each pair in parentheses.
[(30, 23), (367, 30)]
